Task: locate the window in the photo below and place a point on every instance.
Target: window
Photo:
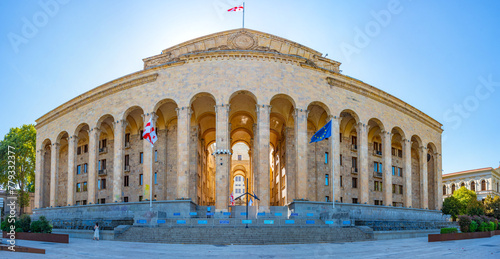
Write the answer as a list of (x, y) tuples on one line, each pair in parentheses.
[(77, 203), (400, 153), (142, 133), (354, 140), (340, 160), (78, 187), (156, 155), (238, 191), (102, 143), (327, 198), (378, 186), (326, 157), (355, 163), (141, 156), (102, 164), (393, 188), (78, 169), (84, 202), (79, 150), (326, 179), (84, 186), (378, 202), (340, 137), (444, 189), (239, 157), (393, 170), (125, 199), (140, 197), (127, 139), (340, 181), (462, 185), (483, 185), (473, 186), (86, 150), (85, 168), (127, 160), (156, 178), (140, 179), (377, 167), (341, 200), (393, 151), (400, 189), (354, 182), (103, 201), (101, 184), (400, 171), (125, 180), (452, 188), (355, 200)]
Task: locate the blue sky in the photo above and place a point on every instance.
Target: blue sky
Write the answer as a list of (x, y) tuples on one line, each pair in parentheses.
[(442, 57)]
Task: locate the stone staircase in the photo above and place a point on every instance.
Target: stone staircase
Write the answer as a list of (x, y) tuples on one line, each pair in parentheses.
[(378, 225), (243, 236)]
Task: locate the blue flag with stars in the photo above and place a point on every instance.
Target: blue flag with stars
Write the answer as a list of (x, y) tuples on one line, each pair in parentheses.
[(322, 133)]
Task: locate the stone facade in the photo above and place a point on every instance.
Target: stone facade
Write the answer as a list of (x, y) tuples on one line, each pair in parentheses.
[(238, 86), (483, 181)]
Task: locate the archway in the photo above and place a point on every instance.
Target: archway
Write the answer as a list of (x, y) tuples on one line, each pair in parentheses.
[(62, 169), (82, 164), (133, 155), (415, 172), (104, 181), (319, 157), (375, 183), (398, 177), (349, 157), (431, 176)]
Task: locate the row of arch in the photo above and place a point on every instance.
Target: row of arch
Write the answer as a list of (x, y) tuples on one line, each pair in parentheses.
[(471, 184)]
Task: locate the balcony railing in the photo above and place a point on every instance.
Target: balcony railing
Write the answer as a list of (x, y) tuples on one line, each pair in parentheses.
[(377, 153), (377, 174), (127, 168), (103, 172), (354, 170), (354, 147), (127, 144), (103, 150)]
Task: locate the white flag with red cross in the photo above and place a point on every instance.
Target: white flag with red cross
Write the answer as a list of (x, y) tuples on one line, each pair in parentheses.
[(236, 9), (150, 132)]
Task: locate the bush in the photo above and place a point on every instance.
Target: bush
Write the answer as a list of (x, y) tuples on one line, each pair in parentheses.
[(45, 225), (496, 224), (448, 230), (19, 230), (473, 226), (35, 226), (5, 225), (478, 220), (483, 227), (25, 223), (474, 207), (464, 222), (491, 226)]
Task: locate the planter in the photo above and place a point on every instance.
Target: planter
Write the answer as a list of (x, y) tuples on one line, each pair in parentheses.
[(496, 232), (55, 238), (459, 236)]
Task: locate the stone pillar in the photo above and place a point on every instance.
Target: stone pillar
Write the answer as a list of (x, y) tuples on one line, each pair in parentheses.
[(301, 153), (334, 158), (263, 166), (407, 172), (54, 168), (72, 145), (387, 166), (222, 158), (183, 130), (118, 163), (93, 170), (363, 158), (39, 178), (439, 182), (424, 194), (147, 164)]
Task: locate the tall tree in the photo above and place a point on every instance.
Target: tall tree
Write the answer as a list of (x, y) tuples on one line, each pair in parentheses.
[(22, 144), (451, 206), (492, 206), (464, 196)]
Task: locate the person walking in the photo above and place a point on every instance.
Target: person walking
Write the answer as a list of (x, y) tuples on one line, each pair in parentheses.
[(96, 232)]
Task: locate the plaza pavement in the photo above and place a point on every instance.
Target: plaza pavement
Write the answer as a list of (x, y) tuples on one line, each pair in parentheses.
[(399, 248)]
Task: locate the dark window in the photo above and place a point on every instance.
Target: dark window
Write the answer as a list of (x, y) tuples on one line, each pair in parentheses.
[(400, 189), (85, 168), (354, 182), (142, 132), (355, 163), (444, 189), (125, 180), (84, 186), (125, 199), (400, 153), (452, 188), (86, 149), (327, 198), (102, 164), (140, 198), (400, 171), (78, 187), (483, 185), (326, 179), (84, 202), (103, 183), (355, 200), (141, 156), (78, 169), (127, 160), (393, 151), (340, 159), (78, 150), (127, 139), (239, 157), (473, 186), (103, 143), (156, 155), (340, 181), (354, 140), (340, 137), (140, 179), (103, 201), (393, 188)]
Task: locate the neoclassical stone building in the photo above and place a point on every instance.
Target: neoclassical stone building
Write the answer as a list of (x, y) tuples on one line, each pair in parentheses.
[(238, 87), (483, 181)]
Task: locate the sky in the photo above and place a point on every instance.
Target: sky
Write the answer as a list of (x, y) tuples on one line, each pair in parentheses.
[(442, 57)]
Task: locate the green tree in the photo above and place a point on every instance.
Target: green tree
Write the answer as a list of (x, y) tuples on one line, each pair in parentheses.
[(492, 206), (464, 196), (22, 144), (451, 206), (475, 208)]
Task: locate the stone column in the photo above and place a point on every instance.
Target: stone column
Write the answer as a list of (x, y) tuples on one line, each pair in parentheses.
[(54, 168), (363, 158), (147, 164), (407, 172), (183, 130), (118, 163), (93, 170), (424, 194), (262, 177), (387, 166), (72, 145), (439, 182), (334, 158), (222, 158), (301, 153), (39, 178)]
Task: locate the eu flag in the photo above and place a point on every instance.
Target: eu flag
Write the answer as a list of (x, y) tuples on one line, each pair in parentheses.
[(322, 133)]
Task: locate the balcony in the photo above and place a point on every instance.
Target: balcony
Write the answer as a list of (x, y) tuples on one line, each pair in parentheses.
[(127, 168), (103, 172), (354, 147), (103, 150), (377, 153), (377, 175), (127, 144), (354, 170)]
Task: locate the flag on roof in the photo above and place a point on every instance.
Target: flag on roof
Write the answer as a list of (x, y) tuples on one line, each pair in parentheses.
[(236, 9), (150, 132)]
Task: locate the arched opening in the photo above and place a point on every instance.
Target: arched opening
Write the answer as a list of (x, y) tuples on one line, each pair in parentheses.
[(375, 183), (483, 185), (319, 158), (240, 171), (282, 147), (415, 172), (165, 151), (202, 133), (133, 178), (46, 177), (62, 170), (104, 181), (453, 188), (462, 184), (473, 186), (349, 162), (431, 176), (82, 164), (444, 189), (398, 178)]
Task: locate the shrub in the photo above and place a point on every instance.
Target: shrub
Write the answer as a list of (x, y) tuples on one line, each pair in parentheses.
[(448, 230), (25, 223), (496, 224), (19, 230), (491, 226), (451, 206), (478, 220), (45, 225), (5, 225), (473, 226), (483, 227), (474, 207), (35, 226), (464, 222)]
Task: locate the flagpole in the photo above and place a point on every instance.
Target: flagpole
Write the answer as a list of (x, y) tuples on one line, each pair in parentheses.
[(332, 147), (151, 182), (243, 15)]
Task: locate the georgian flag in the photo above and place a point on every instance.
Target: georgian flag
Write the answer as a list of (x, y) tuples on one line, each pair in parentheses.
[(231, 200), (150, 132), (236, 9), (250, 202)]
